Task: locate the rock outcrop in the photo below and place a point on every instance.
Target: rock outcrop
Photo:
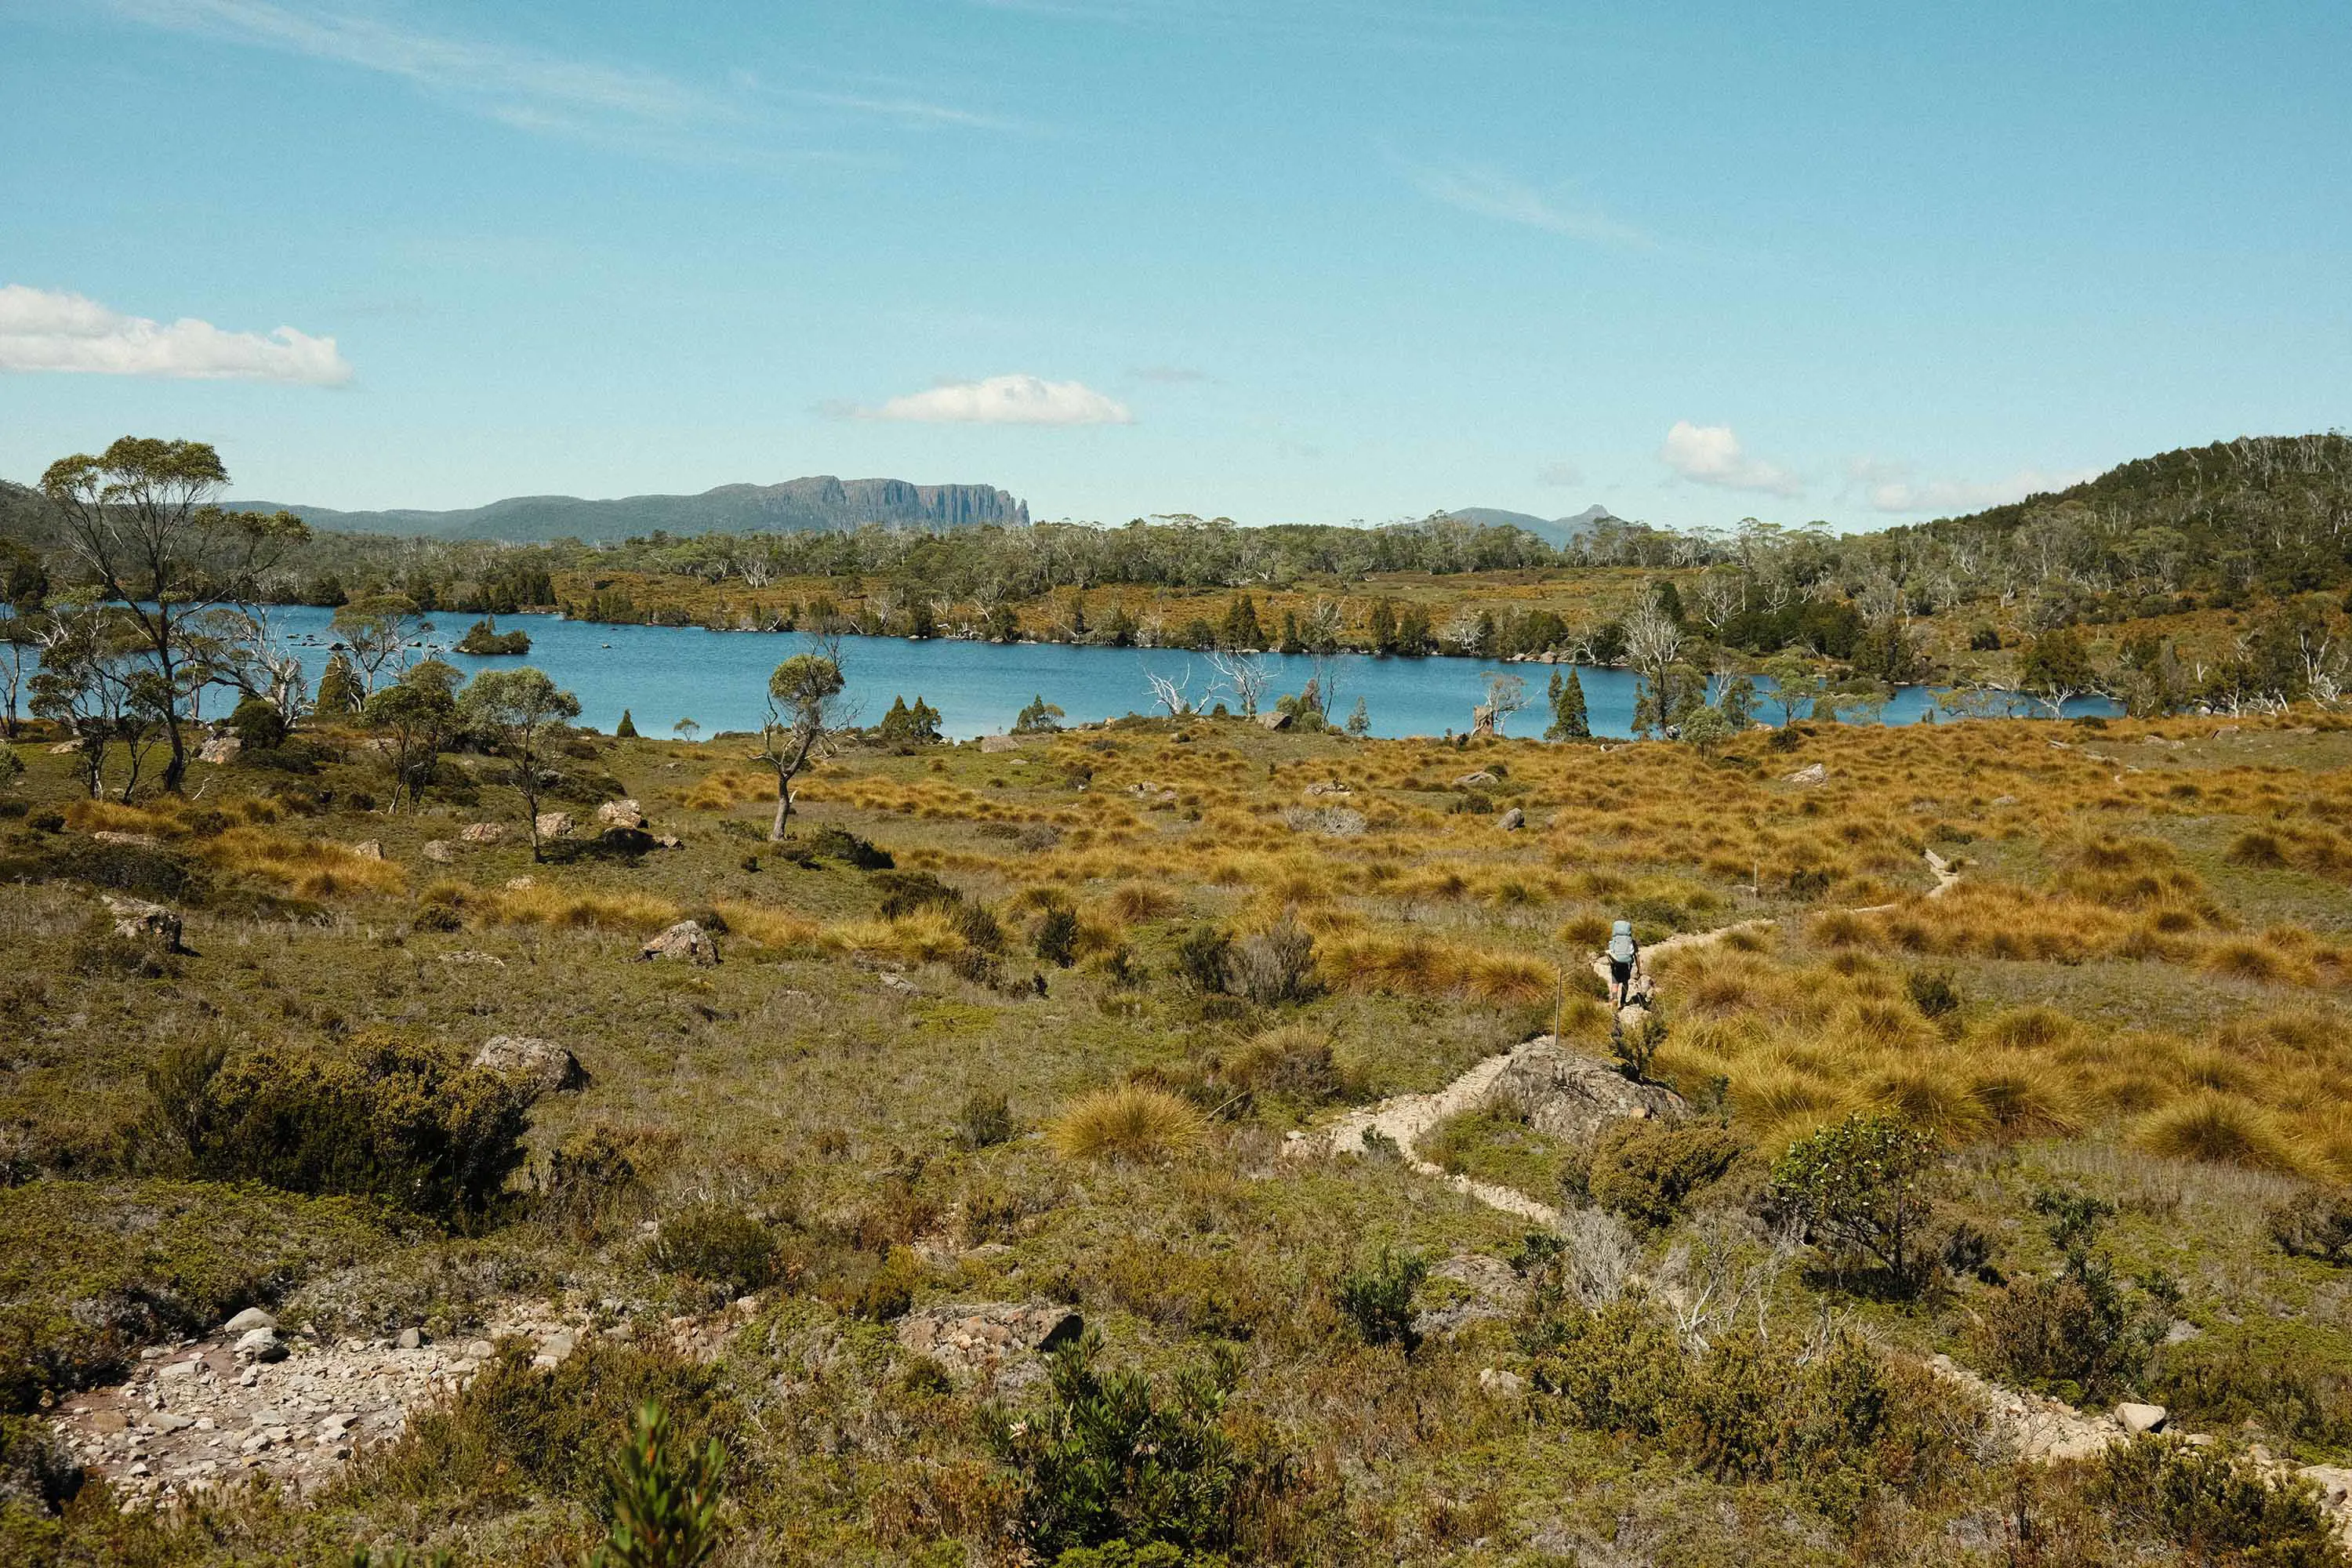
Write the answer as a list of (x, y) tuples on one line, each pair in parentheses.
[(685, 941), (543, 1066), (997, 1343)]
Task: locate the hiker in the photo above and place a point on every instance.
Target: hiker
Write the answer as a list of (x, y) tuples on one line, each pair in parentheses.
[(1624, 956)]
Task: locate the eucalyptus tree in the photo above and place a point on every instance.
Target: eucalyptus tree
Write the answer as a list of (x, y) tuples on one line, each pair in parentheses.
[(807, 712), (522, 712), (142, 520)]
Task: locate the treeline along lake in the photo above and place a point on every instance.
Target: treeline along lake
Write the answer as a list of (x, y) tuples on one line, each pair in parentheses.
[(719, 679)]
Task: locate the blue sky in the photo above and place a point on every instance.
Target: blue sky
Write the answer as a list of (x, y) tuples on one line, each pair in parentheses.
[(1280, 261)]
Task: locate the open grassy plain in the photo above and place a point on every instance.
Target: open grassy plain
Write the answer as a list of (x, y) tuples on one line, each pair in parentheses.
[(1070, 1045)]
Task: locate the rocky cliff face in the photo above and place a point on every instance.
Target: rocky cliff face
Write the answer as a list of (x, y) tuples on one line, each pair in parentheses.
[(821, 501)]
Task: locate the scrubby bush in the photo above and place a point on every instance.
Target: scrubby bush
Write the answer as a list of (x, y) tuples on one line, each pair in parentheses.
[(2081, 1333), (1119, 1457), (257, 724), (985, 1120), (840, 844), (585, 1175), (1932, 993), (1057, 936), (2316, 1222), (904, 892), (1275, 965), (1832, 1413), (1860, 1190), (718, 1243), (2218, 1505), (1203, 957), (1377, 1299), (396, 1121), (1646, 1171)]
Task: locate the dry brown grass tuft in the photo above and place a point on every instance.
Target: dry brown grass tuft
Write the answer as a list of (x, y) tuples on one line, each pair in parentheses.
[(2219, 1129), (1133, 1124), (311, 868)]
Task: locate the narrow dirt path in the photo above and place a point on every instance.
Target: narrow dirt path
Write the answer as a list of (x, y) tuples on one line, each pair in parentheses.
[(1403, 1119), (2041, 1430)]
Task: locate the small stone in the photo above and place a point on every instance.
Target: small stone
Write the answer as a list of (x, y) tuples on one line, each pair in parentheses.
[(245, 1322), (408, 1339), (439, 851), (1513, 820), (166, 1421), (483, 832), (369, 849), (2138, 1419), (260, 1346), (554, 824)]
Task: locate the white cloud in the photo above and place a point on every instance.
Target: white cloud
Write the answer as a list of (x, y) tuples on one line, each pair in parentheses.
[(1560, 474), (1491, 193), (44, 330), (1890, 486), (1006, 400), (1711, 455)]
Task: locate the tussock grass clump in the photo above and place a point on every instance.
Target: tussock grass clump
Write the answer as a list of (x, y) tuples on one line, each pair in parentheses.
[(1132, 1124), (310, 868), (2219, 1129)]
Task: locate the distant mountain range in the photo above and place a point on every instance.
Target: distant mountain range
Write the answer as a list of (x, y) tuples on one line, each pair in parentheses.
[(1557, 531), (796, 506)]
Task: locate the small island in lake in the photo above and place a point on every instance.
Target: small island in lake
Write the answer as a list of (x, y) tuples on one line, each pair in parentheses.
[(484, 639)]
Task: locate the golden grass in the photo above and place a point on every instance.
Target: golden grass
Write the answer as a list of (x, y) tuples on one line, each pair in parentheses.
[(2223, 1129), (310, 868), (1130, 1124)]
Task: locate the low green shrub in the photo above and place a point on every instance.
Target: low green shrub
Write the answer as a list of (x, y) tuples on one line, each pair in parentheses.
[(1057, 936), (1860, 1189), (1202, 956), (1933, 993), (662, 1496), (2081, 1333), (1377, 1299), (2316, 1222), (2216, 1505), (403, 1122), (1647, 1171), (1120, 1458), (985, 1120), (718, 1245)]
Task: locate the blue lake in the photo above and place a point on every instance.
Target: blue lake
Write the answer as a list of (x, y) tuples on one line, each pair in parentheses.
[(662, 674)]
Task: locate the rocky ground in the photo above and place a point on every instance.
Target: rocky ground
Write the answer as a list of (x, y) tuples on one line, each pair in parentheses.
[(249, 1399)]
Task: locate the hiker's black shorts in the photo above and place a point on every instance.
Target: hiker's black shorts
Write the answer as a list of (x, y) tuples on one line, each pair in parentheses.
[(1621, 971)]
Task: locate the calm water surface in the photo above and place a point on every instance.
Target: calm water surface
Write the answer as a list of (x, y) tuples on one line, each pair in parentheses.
[(719, 679)]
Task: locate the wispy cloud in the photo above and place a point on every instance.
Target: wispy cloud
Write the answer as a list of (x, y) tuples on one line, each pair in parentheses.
[(1559, 475), (533, 91), (1005, 400), (41, 330), (1890, 485), (1712, 454), (1491, 193)]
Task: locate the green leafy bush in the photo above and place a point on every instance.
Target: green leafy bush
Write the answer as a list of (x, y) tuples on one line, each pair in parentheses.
[(716, 1243), (840, 844), (257, 724), (1860, 1190), (1117, 1457), (1377, 1299), (1057, 936), (663, 1497), (1933, 993), (2082, 1333), (1646, 1171), (2218, 1505), (1275, 965), (396, 1120), (2314, 1224), (904, 892)]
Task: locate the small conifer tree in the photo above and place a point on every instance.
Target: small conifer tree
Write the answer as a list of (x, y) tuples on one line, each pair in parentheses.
[(626, 729)]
